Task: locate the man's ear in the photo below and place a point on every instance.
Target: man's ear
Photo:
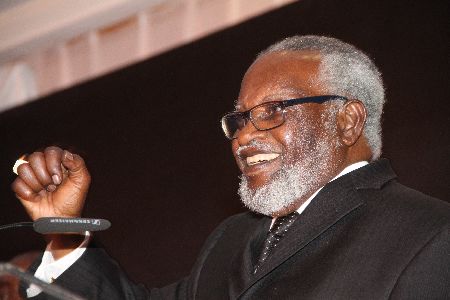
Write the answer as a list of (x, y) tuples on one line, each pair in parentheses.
[(351, 120)]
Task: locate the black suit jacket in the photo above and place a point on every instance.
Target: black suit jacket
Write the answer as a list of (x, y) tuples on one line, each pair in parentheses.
[(364, 236)]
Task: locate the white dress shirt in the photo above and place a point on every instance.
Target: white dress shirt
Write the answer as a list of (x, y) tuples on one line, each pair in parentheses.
[(50, 269)]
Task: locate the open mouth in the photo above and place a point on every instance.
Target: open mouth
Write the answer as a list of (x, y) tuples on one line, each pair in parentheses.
[(261, 158)]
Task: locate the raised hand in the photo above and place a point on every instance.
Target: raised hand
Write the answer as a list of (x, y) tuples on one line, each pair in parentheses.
[(53, 184)]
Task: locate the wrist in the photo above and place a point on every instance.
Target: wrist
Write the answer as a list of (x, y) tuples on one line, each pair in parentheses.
[(59, 245)]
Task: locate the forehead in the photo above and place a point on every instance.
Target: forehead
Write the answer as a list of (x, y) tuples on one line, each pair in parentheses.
[(279, 76)]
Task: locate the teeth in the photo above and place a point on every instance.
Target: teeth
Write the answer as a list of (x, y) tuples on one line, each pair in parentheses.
[(260, 158)]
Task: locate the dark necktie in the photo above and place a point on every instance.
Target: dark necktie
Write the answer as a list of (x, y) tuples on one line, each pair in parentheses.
[(276, 233)]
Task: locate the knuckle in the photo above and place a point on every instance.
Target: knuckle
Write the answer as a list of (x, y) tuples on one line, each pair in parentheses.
[(23, 168), (35, 155), (53, 149)]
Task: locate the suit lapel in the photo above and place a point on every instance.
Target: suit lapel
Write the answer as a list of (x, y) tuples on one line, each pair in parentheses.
[(243, 261), (336, 200), (331, 207)]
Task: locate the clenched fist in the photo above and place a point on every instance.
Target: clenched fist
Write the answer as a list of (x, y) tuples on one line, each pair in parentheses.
[(53, 184)]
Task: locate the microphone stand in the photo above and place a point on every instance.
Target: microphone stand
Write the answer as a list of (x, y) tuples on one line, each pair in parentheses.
[(50, 289)]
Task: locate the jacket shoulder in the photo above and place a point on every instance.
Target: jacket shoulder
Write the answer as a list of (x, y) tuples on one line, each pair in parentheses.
[(413, 203)]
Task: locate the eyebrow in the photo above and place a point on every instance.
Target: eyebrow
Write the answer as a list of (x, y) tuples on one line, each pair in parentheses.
[(299, 94)]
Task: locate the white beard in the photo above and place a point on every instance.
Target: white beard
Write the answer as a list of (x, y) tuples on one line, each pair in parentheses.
[(292, 183)]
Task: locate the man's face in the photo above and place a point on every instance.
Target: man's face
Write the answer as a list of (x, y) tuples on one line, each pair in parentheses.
[(283, 166)]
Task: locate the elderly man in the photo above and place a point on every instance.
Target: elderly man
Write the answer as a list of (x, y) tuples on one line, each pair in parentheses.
[(327, 220)]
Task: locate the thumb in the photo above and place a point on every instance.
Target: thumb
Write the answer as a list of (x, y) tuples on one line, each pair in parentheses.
[(77, 171)]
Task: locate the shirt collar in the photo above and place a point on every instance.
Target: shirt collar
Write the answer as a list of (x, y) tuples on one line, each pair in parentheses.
[(346, 170)]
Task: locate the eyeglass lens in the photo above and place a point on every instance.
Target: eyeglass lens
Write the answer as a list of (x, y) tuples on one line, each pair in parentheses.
[(263, 117), (231, 124), (267, 116)]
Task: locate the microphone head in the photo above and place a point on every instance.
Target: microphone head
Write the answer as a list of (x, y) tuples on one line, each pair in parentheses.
[(69, 225)]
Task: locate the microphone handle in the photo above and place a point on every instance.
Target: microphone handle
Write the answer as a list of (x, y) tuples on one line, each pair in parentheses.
[(49, 225), (69, 225)]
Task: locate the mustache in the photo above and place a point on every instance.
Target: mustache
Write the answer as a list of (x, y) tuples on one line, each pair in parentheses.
[(255, 144)]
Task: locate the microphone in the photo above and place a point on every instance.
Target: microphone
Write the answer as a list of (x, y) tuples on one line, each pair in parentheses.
[(49, 225), (69, 225)]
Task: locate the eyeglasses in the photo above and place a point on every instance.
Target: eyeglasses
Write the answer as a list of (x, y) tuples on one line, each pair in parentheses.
[(267, 115)]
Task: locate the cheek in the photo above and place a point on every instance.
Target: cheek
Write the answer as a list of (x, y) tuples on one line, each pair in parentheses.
[(299, 139)]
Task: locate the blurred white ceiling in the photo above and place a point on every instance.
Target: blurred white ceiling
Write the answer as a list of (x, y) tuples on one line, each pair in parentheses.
[(26, 25), (49, 45)]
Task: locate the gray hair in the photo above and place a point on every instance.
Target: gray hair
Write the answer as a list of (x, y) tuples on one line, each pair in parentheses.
[(347, 71)]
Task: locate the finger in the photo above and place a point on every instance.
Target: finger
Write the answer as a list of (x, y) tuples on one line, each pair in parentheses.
[(39, 166), (27, 174), (22, 190), (78, 172), (53, 157)]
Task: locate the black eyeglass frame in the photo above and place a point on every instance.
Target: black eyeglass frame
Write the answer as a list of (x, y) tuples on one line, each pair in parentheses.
[(246, 115)]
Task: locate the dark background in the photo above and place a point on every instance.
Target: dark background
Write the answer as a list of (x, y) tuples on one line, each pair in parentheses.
[(162, 171)]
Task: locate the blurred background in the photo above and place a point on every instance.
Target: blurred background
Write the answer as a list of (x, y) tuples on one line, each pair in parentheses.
[(137, 87)]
